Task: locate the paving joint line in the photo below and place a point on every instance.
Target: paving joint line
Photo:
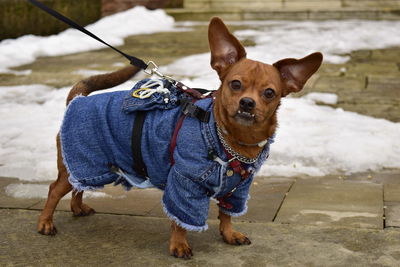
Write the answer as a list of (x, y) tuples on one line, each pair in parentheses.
[(283, 200)]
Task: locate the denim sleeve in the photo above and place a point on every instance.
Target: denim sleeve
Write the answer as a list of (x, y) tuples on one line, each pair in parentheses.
[(238, 199), (186, 202)]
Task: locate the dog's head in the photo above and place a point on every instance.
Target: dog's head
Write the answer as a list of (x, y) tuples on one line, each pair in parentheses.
[(250, 91)]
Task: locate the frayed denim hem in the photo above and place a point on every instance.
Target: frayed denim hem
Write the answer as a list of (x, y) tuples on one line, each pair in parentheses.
[(234, 214), (182, 224), (78, 187), (76, 184), (72, 180)]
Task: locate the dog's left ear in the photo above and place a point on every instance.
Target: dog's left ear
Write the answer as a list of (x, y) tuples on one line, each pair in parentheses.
[(225, 48), (296, 72)]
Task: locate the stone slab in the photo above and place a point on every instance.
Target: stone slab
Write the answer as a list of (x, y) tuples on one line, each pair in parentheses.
[(384, 84), (7, 201), (300, 13), (392, 214), (201, 4), (267, 195), (204, 14), (278, 14), (333, 202), (245, 5), (312, 4), (391, 192), (388, 55), (371, 3), (327, 83), (388, 177), (378, 68), (384, 177), (120, 240)]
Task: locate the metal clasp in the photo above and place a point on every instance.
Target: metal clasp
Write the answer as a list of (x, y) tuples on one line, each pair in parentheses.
[(152, 68)]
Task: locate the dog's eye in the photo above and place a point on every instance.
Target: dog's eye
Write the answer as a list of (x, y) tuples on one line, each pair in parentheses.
[(236, 85), (269, 93)]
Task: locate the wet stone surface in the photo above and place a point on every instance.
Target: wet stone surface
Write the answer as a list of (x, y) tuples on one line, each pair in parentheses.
[(332, 201), (121, 240), (369, 83)]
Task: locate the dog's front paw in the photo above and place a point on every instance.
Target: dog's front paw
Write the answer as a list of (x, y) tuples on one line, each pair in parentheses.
[(235, 238), (180, 250), (46, 227)]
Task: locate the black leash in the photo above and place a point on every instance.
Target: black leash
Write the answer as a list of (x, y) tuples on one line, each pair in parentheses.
[(188, 108), (133, 60)]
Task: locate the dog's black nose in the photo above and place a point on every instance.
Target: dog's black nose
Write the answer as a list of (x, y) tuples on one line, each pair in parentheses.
[(247, 104)]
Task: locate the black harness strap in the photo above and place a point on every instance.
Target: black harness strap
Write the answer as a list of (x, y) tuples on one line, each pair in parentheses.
[(133, 60), (191, 110), (138, 164)]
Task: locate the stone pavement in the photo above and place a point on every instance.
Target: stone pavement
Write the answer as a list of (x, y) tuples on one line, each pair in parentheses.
[(287, 9), (328, 221)]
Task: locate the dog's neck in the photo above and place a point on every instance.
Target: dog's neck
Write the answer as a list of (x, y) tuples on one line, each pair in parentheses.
[(238, 136)]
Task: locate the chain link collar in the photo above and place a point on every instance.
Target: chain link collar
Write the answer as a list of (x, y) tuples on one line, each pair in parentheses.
[(231, 151)]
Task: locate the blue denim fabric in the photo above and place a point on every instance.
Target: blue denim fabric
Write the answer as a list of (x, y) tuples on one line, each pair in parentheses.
[(96, 139)]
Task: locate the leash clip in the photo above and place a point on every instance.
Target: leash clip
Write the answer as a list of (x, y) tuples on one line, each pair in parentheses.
[(152, 68)]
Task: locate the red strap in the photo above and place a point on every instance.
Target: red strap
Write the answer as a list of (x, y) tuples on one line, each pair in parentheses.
[(223, 204), (196, 96), (173, 140), (192, 92), (236, 165)]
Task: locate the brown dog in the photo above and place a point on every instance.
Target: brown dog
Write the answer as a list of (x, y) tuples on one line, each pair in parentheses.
[(245, 107)]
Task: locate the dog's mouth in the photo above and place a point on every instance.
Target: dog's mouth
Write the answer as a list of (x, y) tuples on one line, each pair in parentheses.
[(245, 118)]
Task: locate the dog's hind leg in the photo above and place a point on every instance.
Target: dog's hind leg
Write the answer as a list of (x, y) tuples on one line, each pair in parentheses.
[(77, 207), (57, 190)]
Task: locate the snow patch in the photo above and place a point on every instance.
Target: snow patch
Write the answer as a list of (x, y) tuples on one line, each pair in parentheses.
[(112, 29), (338, 215), (88, 73), (324, 98), (41, 190)]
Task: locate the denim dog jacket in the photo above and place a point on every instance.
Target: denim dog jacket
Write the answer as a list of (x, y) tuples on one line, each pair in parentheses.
[(96, 147)]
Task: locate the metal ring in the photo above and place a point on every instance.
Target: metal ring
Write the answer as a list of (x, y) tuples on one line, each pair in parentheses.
[(137, 94), (151, 68)]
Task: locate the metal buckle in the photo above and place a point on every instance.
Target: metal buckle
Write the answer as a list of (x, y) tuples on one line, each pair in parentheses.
[(190, 109), (152, 68)]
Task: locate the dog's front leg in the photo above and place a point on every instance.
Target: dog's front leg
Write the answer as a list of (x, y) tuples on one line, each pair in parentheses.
[(229, 235), (178, 245)]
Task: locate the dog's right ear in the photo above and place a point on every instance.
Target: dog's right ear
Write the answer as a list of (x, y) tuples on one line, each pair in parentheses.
[(295, 72), (225, 48)]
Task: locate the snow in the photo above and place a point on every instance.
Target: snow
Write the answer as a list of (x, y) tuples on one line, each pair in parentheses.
[(339, 215), (277, 40), (318, 140), (41, 190), (323, 98), (112, 29), (311, 140)]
